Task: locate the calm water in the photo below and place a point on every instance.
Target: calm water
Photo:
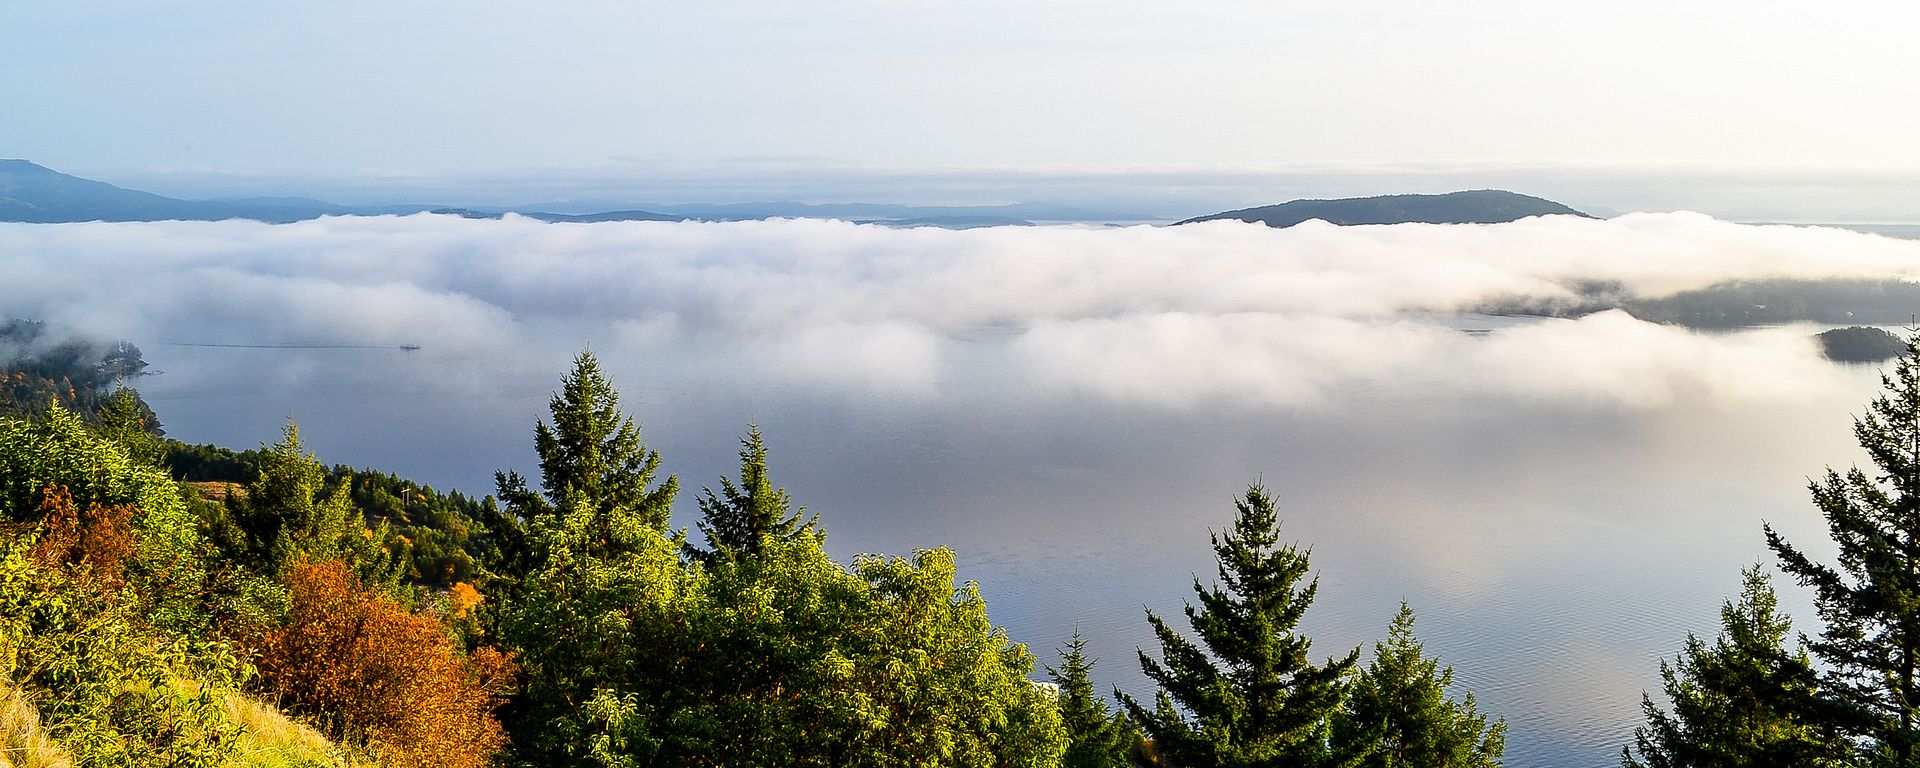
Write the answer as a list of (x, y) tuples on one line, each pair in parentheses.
[(1553, 552)]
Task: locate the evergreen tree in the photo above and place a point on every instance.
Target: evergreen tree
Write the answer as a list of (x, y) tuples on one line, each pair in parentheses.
[(1096, 736), (591, 455), (1263, 702), (289, 515), (1743, 701), (1870, 602), (1398, 711), (126, 419), (286, 512), (741, 518), (505, 542)]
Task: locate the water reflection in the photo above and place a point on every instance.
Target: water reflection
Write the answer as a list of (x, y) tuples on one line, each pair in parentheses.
[(1554, 550)]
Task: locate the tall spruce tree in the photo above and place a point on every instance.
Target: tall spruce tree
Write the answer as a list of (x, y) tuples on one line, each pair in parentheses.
[(1097, 737), (590, 457), (1398, 711), (1251, 697), (1745, 700), (1870, 602), (741, 518)]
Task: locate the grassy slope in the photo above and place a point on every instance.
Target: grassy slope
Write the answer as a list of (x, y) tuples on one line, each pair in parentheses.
[(271, 739)]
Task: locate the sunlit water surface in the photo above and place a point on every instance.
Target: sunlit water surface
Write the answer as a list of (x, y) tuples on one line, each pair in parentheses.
[(1554, 551)]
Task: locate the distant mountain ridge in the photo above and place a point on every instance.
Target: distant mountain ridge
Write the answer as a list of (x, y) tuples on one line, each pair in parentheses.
[(33, 193), (1023, 212), (1479, 206), (469, 213)]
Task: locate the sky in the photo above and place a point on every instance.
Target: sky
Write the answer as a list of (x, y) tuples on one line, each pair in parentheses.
[(941, 101)]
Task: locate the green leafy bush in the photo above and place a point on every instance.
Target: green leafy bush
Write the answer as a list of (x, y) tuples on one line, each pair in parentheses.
[(110, 688), (168, 563)]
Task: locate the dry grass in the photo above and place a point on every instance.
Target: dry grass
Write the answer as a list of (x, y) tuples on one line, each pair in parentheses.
[(274, 740), (213, 490), (22, 743), (270, 740)]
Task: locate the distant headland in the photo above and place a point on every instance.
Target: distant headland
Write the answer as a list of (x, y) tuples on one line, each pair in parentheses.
[(1479, 206)]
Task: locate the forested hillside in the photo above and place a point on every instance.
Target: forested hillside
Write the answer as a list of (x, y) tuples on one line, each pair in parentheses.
[(39, 367)]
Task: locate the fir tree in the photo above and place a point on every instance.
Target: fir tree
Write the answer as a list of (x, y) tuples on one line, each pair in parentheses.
[(126, 419), (1097, 737), (287, 512), (1399, 713), (741, 518), (289, 515), (591, 457), (1743, 701), (1870, 602), (1263, 702)]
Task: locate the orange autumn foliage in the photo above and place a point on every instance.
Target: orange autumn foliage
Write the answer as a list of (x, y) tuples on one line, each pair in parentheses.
[(462, 598), (96, 543), (377, 672)]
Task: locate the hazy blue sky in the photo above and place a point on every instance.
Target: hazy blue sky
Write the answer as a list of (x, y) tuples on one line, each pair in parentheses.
[(405, 92)]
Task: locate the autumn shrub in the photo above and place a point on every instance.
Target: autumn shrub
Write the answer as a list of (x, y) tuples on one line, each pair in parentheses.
[(369, 670), (462, 598), (94, 545)]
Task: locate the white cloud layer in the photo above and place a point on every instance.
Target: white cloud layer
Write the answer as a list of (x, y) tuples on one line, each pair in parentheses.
[(1169, 317)]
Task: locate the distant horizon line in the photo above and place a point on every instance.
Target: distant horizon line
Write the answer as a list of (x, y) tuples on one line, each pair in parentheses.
[(1782, 193)]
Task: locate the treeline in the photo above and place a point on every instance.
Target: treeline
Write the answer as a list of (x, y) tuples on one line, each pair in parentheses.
[(163, 604), (437, 537), (1733, 304), (1860, 344)]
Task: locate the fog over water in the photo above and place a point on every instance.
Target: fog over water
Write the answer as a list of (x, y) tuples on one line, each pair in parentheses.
[(1072, 408)]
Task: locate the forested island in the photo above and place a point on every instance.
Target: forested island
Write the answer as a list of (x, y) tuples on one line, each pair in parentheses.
[(1476, 206), (172, 604), (1860, 344)]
